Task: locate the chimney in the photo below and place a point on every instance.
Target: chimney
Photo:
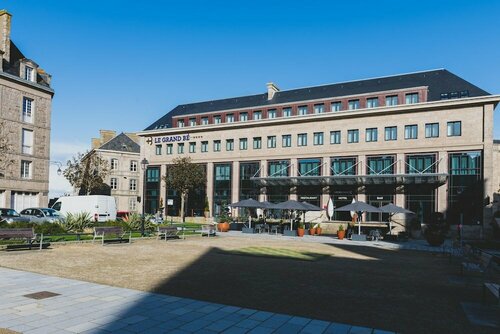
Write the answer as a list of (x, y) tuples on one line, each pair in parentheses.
[(95, 143), (271, 90), (107, 135), (5, 18)]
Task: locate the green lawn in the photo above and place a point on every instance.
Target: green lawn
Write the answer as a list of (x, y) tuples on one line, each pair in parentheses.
[(282, 253)]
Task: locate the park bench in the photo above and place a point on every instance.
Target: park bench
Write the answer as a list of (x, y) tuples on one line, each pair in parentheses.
[(477, 263), (117, 231), (208, 230), (22, 233), (167, 232)]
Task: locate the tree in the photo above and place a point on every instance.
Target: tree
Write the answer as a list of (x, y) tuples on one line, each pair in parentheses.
[(86, 172), (183, 176), (5, 149)]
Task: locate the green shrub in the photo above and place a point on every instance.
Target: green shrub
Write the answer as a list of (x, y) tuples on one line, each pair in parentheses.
[(78, 222), (50, 228)]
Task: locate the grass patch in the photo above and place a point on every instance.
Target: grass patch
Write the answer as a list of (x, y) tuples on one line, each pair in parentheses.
[(279, 253)]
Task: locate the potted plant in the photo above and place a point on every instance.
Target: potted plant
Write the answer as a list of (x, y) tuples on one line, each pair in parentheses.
[(206, 210), (312, 229), (318, 229), (300, 229), (341, 232), (435, 231)]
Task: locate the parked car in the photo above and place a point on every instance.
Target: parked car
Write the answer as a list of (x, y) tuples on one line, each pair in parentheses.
[(41, 215), (11, 216)]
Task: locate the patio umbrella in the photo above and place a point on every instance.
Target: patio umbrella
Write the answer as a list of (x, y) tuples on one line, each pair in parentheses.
[(359, 207), (392, 210), (329, 209), (248, 203), (292, 205)]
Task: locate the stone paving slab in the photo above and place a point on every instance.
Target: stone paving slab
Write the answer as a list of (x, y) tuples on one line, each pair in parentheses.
[(92, 308)]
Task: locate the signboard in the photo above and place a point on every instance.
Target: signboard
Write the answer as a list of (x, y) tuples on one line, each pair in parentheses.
[(168, 139)]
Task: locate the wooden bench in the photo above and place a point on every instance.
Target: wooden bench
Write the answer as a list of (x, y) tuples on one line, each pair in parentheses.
[(477, 264), (208, 230), (117, 231), (167, 232), (22, 233), (493, 288)]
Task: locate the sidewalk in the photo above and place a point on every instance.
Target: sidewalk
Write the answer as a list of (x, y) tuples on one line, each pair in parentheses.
[(82, 307)]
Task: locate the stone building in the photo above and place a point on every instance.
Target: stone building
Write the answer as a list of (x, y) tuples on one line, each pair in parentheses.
[(122, 153), (25, 112), (423, 141)]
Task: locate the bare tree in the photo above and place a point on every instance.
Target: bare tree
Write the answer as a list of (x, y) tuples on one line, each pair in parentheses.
[(5, 149), (184, 176), (87, 172)]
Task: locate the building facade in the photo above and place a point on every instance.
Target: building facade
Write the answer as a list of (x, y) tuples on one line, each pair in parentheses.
[(25, 113), (423, 141), (122, 153)]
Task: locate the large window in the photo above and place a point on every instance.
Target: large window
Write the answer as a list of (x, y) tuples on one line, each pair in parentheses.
[(278, 168), (243, 116), (411, 98), (192, 147), (287, 112), (243, 144), (257, 143), (222, 186), (170, 149), (25, 169), (335, 137), (319, 108), (271, 141), (302, 110), (372, 102), (336, 106), (318, 138), (27, 110), (309, 167), (352, 136), (180, 148), (229, 144), (286, 140), (371, 134), (248, 189), (411, 131), (380, 165), (391, 100), (153, 184), (302, 139), (420, 164), (132, 186), (454, 129), (257, 115), (114, 164), (271, 113), (133, 165), (113, 184), (217, 146), (343, 166), (27, 141), (353, 104), (204, 146), (391, 133), (158, 149), (432, 130)]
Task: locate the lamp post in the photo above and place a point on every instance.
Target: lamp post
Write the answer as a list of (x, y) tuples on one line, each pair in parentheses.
[(59, 165), (144, 166)]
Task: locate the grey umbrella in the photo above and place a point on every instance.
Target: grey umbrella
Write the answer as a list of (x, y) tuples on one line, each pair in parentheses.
[(248, 203), (392, 210), (359, 207), (292, 205)]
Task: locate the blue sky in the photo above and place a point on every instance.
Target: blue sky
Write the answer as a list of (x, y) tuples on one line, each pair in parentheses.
[(122, 64)]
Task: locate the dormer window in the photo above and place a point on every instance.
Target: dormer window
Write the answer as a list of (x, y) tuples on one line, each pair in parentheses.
[(192, 122), (257, 115), (180, 123), (229, 118), (217, 119), (29, 73)]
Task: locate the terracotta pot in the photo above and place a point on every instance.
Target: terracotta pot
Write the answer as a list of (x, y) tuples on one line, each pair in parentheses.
[(300, 232), (223, 227), (312, 231), (341, 234), (318, 230)]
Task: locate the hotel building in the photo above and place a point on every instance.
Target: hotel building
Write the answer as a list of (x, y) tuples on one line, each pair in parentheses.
[(423, 141)]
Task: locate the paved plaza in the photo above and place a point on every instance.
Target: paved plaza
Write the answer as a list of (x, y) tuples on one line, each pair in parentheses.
[(82, 307)]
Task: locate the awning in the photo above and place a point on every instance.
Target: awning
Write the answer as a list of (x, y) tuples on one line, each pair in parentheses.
[(354, 180)]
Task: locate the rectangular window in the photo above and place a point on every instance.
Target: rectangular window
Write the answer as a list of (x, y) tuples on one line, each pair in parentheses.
[(229, 144), (454, 129), (278, 168), (170, 149), (371, 134), (431, 130), (114, 164), (411, 131), (257, 115), (418, 164), (243, 116), (391, 100), (243, 144), (287, 112), (28, 73), (334, 137), (271, 141), (286, 141), (27, 110), (380, 165), (271, 113), (336, 106), (411, 98), (302, 110), (204, 146), (132, 204), (352, 136), (113, 183), (192, 147), (353, 104), (318, 138), (180, 123), (132, 185), (25, 169), (158, 149), (27, 141), (319, 108), (180, 148), (192, 122), (230, 118), (257, 143), (343, 166), (217, 119), (391, 133), (133, 165), (217, 145), (309, 167), (372, 102), (204, 121), (302, 139)]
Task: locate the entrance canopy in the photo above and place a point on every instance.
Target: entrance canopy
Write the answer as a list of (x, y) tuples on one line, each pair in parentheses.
[(434, 179)]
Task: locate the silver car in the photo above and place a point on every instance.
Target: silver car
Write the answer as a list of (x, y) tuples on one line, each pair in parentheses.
[(11, 216), (41, 215)]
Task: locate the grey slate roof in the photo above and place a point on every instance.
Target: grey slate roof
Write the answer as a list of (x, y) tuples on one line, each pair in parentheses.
[(121, 143), (438, 81), (12, 67)]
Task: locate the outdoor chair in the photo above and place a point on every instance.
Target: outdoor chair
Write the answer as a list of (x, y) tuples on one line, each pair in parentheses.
[(275, 229), (374, 235), (259, 228)]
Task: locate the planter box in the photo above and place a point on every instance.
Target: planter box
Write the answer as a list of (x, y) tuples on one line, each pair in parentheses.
[(248, 230), (290, 233), (358, 237), (235, 226)]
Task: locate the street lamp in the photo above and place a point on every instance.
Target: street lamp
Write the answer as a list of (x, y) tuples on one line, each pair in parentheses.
[(144, 166), (59, 165)]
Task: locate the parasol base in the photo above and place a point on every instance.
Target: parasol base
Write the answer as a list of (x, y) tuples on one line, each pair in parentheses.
[(248, 230), (358, 237), (290, 233)]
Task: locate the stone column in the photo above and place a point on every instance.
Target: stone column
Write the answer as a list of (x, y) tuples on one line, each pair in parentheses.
[(400, 198), (263, 173), (163, 189), (210, 186), (325, 171), (442, 191), (235, 182), (293, 171)]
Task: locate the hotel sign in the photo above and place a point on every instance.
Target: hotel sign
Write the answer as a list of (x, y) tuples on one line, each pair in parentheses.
[(167, 139)]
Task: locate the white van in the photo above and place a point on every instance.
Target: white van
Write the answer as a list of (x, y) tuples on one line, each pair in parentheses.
[(102, 208)]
